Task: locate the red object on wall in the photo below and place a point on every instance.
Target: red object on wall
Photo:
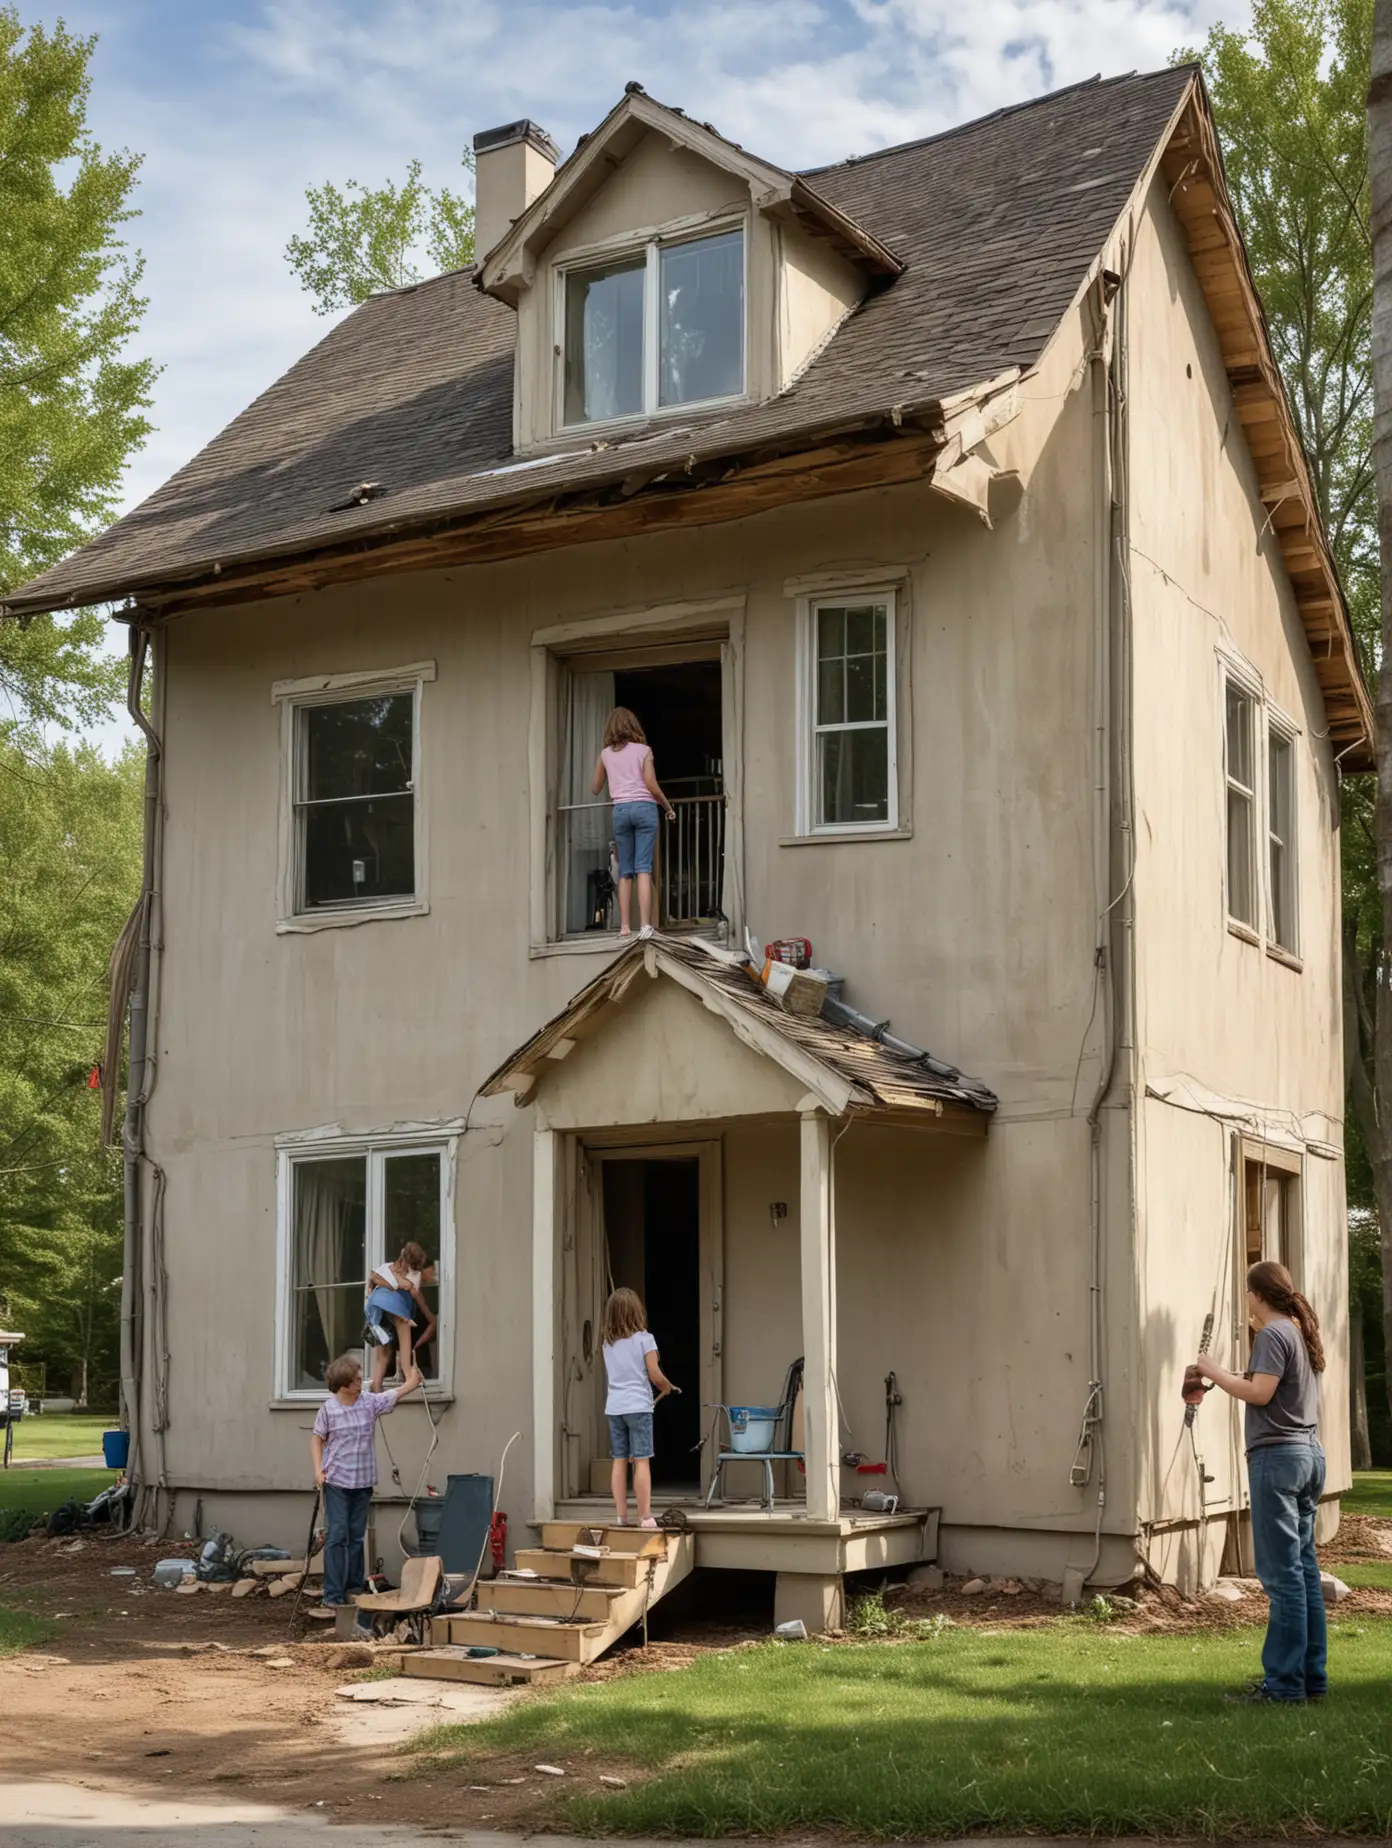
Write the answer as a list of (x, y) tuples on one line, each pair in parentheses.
[(497, 1540), (794, 950)]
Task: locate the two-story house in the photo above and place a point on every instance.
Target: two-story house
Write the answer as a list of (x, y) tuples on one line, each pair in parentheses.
[(940, 514)]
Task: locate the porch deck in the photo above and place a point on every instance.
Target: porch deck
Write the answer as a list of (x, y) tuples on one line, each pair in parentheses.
[(785, 1539)]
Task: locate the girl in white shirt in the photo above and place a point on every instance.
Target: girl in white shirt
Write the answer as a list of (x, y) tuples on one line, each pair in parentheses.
[(630, 1366), (391, 1290)]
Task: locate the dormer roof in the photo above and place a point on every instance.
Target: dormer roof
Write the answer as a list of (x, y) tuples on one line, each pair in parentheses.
[(509, 267)]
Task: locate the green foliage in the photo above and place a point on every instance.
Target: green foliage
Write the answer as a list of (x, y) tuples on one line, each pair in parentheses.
[(1064, 1729), (71, 401), (70, 834), (1371, 1494), (1290, 100), (362, 239), (18, 1629), (58, 1434)]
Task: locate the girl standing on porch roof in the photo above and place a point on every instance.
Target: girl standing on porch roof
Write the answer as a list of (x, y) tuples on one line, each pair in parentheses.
[(626, 763), (630, 1365)]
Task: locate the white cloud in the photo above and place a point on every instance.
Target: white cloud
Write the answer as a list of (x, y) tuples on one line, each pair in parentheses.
[(240, 104)]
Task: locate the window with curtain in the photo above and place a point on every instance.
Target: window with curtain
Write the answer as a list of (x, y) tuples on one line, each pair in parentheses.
[(583, 834), (348, 1212), (658, 327)]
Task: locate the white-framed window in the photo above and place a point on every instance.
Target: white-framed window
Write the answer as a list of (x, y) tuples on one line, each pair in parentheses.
[(345, 1205), (848, 713), (1281, 836), (653, 328), (1240, 710), (353, 833)]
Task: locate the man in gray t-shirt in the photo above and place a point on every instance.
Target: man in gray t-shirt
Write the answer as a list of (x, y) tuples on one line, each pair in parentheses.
[(1291, 1414)]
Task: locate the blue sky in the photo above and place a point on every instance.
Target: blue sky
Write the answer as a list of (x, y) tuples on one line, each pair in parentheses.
[(239, 105)]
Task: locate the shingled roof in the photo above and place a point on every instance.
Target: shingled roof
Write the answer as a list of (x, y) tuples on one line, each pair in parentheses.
[(845, 1069), (996, 223)]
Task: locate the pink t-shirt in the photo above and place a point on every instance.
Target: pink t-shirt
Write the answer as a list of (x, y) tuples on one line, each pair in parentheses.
[(624, 768)]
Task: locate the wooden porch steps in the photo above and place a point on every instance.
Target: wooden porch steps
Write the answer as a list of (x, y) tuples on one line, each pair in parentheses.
[(549, 1626)]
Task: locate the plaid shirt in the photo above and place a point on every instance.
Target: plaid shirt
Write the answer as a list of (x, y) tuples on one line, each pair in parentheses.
[(349, 1433)]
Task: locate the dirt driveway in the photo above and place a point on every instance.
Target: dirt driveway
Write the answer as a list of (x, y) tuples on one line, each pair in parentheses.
[(147, 1693)]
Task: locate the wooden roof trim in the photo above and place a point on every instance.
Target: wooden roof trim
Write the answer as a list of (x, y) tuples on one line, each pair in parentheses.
[(508, 269), (1192, 166), (897, 445)]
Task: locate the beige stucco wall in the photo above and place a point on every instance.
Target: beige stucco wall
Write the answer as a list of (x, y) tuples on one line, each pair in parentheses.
[(962, 1265), (1206, 578)]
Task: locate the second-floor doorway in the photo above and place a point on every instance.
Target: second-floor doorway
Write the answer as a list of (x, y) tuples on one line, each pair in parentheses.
[(679, 704)]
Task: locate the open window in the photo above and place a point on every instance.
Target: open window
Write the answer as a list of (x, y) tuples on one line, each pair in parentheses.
[(656, 328), (345, 1208), (1270, 1208)]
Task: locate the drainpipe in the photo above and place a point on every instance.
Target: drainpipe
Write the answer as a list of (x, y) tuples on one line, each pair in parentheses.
[(133, 1130), (1111, 813)]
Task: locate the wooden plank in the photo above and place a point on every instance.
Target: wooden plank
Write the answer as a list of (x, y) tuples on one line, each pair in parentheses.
[(452, 1662), (639, 1542), (517, 1598), (623, 1570), (526, 1635)]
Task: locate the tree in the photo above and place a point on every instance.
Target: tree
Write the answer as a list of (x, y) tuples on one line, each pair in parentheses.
[(1290, 102), (70, 844), (363, 239), (71, 402)]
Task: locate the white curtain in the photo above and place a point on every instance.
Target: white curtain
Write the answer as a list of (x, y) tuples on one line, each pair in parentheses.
[(322, 1216), (586, 838)]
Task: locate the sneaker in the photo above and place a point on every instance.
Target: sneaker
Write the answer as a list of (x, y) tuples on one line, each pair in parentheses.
[(650, 1522), (647, 931)]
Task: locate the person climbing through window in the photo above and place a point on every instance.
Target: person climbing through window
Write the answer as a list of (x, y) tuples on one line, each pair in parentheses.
[(392, 1288), (1285, 1470), (626, 763), (630, 1366)]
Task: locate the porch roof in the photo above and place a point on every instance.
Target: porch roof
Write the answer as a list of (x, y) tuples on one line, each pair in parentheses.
[(843, 1069)]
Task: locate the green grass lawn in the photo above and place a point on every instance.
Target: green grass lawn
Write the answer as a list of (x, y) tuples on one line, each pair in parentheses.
[(40, 1491), (1375, 1574), (1073, 1729), (1371, 1493), (61, 1434)]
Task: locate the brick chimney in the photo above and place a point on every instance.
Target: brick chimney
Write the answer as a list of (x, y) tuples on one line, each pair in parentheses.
[(513, 164)]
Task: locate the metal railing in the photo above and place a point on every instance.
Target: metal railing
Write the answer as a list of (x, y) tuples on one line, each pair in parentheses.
[(689, 865)]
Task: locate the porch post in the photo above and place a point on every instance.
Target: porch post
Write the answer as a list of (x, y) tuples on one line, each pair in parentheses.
[(543, 1324), (819, 1320)]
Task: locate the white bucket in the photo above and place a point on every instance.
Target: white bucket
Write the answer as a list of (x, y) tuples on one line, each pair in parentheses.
[(752, 1427)]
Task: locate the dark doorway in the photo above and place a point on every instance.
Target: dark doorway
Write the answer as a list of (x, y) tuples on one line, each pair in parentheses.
[(652, 1222)]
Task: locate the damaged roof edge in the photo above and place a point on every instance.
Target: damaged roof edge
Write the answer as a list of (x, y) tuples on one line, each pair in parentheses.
[(932, 417)]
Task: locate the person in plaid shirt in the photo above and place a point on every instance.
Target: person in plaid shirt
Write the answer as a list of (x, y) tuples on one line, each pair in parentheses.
[(344, 1447)]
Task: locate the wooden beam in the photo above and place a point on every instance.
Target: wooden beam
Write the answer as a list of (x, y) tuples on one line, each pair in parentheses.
[(543, 1324), (818, 1253)]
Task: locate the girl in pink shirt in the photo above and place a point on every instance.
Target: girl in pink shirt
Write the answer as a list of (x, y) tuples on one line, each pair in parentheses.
[(626, 764)]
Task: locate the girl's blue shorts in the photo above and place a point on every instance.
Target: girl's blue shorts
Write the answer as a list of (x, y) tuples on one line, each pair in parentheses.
[(384, 1302)]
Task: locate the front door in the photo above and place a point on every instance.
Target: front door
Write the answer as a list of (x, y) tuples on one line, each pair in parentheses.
[(650, 1222)]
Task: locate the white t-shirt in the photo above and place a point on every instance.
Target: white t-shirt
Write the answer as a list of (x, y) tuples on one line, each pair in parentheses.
[(389, 1275), (625, 1362)]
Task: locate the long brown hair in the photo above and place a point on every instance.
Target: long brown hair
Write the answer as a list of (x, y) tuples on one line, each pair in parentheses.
[(622, 727), (624, 1314), (413, 1257), (1276, 1287)]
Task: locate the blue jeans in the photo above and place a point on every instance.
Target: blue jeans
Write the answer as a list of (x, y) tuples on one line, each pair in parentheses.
[(630, 1435), (635, 836), (1287, 1481), (345, 1524)]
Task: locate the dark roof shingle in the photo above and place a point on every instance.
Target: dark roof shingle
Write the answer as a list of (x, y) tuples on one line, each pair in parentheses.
[(997, 223)]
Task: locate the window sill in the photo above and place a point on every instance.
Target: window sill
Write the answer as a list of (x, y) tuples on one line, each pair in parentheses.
[(829, 837), (311, 1401), (1287, 958), (1244, 931), (357, 914)]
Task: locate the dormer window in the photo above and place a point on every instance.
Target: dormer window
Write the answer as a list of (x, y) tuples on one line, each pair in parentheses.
[(659, 327)]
